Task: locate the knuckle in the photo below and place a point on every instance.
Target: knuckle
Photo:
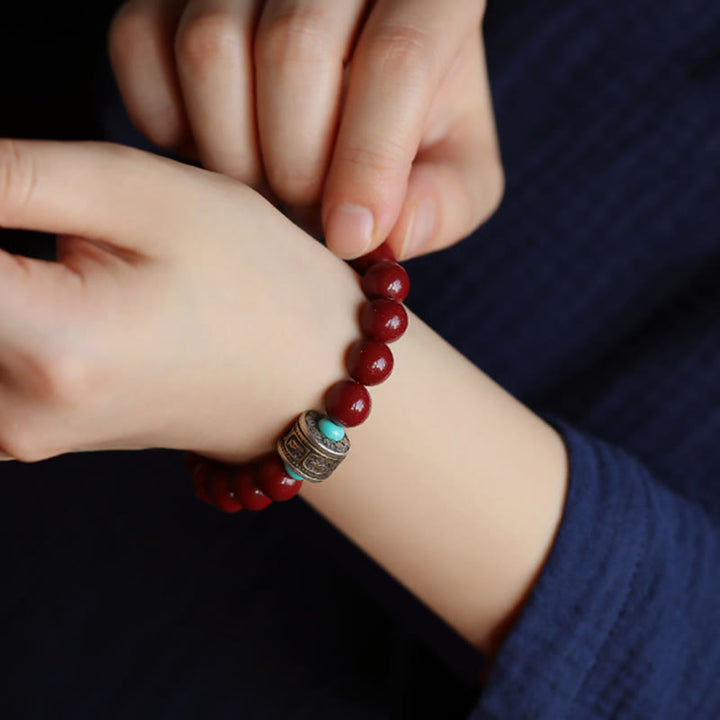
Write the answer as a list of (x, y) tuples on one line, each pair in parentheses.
[(401, 51), (23, 441), (245, 168), (295, 186), (21, 445), (379, 161), (133, 33), (60, 378), (57, 382), (161, 123), (297, 35), (130, 27), (18, 177), (209, 41)]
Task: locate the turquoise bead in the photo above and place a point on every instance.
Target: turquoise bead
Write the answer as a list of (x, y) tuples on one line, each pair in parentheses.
[(292, 473), (332, 431)]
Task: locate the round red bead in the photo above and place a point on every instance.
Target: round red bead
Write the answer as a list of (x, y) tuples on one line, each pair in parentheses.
[(274, 481), (347, 403), (221, 490), (200, 475), (383, 319), (244, 482), (386, 279), (364, 262), (369, 361)]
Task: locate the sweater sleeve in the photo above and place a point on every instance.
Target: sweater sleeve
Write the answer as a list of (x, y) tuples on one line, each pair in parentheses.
[(624, 621)]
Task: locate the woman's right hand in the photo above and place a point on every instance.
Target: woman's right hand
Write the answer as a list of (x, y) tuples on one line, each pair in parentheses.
[(184, 311), (375, 117)]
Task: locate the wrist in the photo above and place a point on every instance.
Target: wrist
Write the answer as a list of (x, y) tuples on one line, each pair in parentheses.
[(303, 316)]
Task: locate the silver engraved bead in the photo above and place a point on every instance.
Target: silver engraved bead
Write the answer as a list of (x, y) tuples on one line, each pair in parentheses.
[(308, 452)]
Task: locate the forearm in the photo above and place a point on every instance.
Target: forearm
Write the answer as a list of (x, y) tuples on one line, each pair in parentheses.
[(451, 484), (206, 320)]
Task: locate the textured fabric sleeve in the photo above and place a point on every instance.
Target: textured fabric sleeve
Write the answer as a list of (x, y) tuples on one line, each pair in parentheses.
[(624, 621)]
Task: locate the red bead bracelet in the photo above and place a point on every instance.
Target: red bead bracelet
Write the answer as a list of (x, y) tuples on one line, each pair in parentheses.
[(316, 444), (369, 361)]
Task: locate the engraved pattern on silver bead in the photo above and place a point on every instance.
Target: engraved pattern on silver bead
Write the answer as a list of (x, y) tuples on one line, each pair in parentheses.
[(308, 452)]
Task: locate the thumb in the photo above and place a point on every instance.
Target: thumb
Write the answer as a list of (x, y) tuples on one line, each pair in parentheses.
[(402, 56)]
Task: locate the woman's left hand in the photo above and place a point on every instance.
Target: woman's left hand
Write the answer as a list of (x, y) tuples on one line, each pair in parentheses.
[(377, 113), (183, 311)]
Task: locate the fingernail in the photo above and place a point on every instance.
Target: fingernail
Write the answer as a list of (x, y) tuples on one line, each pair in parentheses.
[(349, 229), (421, 228)]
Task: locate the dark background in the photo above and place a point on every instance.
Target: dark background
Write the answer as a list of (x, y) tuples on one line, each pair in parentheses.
[(54, 74), (592, 295)]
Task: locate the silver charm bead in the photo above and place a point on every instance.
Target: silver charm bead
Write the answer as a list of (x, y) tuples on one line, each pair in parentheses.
[(308, 452)]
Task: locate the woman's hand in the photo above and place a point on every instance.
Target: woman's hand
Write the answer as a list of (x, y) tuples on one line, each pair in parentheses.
[(183, 311), (186, 312), (376, 113)]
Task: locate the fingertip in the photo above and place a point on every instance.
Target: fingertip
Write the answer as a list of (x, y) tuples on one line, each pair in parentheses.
[(349, 230), (140, 53), (363, 199), (359, 214)]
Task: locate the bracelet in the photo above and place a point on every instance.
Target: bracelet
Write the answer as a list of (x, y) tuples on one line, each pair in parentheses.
[(316, 444)]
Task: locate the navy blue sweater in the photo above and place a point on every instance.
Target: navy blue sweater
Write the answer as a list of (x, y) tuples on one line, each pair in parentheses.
[(593, 296)]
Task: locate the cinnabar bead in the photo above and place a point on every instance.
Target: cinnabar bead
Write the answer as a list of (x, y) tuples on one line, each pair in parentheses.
[(365, 262), (274, 481), (369, 361), (383, 319), (244, 483), (221, 490), (348, 403), (386, 279), (200, 475)]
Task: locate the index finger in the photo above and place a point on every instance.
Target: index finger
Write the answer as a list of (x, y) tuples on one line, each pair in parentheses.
[(98, 191), (402, 55)]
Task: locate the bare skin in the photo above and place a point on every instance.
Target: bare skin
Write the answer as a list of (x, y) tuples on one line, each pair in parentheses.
[(167, 323), (374, 118)]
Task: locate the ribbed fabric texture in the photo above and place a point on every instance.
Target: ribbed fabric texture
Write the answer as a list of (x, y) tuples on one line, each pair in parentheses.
[(623, 621), (593, 295)]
